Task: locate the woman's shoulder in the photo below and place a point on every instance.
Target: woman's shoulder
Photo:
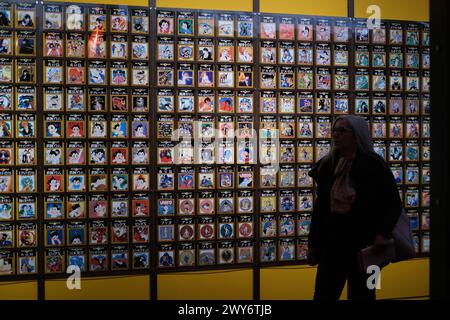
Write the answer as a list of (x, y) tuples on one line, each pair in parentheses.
[(320, 167), (371, 164), (375, 160)]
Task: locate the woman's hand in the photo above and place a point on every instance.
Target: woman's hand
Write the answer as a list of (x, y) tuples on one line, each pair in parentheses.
[(312, 257)]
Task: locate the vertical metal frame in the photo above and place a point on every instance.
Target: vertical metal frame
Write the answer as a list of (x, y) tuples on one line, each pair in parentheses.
[(440, 162)]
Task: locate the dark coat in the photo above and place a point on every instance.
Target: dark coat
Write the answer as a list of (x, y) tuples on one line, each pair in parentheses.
[(376, 209)]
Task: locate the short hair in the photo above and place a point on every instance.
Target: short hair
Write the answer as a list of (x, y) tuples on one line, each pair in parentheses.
[(163, 21)]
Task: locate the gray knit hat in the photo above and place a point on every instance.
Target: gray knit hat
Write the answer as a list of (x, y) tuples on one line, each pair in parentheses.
[(361, 131)]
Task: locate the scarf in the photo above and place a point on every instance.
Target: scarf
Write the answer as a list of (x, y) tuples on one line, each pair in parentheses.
[(342, 192)]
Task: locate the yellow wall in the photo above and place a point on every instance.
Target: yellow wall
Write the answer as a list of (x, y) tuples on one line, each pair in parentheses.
[(317, 7), (20, 290), (286, 283), (233, 5), (290, 283), (418, 10), (117, 288), (405, 279), (415, 10), (408, 279), (211, 285)]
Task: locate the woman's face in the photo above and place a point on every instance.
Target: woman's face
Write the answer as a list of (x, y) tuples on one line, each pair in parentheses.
[(343, 137)]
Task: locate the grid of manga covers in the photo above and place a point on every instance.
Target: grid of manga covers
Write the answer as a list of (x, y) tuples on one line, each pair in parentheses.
[(187, 139), (291, 74), (92, 89)]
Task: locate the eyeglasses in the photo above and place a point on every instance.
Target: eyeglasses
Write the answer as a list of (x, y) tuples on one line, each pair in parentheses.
[(341, 130)]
